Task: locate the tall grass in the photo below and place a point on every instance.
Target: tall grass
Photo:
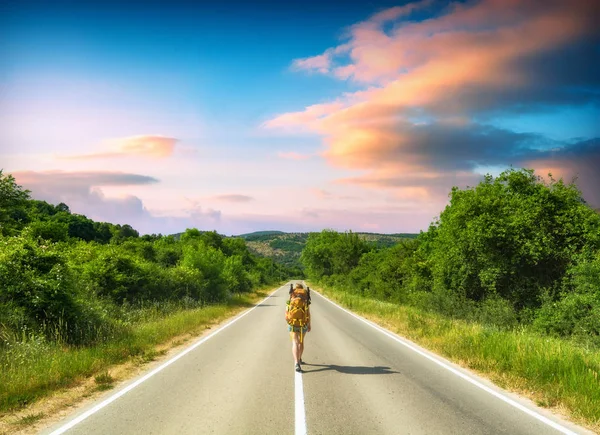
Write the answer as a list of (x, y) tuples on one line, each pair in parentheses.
[(32, 367), (553, 372)]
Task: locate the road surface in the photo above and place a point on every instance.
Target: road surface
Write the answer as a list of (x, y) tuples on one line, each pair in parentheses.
[(357, 379)]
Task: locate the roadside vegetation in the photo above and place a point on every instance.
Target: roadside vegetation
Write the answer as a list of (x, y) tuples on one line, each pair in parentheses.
[(77, 296), (505, 281)]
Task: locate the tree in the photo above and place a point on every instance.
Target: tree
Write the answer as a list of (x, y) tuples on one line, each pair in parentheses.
[(13, 199), (235, 275), (318, 253), (49, 230), (124, 232), (210, 262), (63, 207), (331, 253), (513, 236)]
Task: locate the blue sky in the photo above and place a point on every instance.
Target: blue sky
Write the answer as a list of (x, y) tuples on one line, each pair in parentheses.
[(345, 115)]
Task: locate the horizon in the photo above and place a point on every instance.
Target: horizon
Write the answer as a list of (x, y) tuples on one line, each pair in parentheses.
[(300, 116)]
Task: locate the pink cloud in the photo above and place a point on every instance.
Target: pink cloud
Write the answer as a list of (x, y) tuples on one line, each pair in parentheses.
[(320, 63), (399, 11), (304, 118), (321, 193), (293, 156), (233, 198), (145, 145), (326, 195), (425, 80), (82, 192), (80, 179)]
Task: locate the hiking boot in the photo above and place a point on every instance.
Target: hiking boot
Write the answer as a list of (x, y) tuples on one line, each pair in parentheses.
[(298, 368)]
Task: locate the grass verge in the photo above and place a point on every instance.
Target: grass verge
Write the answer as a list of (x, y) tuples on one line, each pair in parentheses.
[(38, 369), (553, 373)]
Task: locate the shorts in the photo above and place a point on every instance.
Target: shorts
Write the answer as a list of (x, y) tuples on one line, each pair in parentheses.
[(297, 328)]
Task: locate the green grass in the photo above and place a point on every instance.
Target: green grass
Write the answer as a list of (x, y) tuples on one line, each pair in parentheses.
[(32, 368), (553, 372), (104, 381), (30, 419)]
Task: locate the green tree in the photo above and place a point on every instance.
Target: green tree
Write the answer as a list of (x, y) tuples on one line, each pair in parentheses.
[(513, 236), (122, 232), (38, 291), (49, 230), (386, 274), (13, 200), (210, 262), (235, 275), (102, 232), (331, 253)]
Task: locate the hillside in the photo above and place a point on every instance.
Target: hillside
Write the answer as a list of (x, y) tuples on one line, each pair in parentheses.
[(286, 248)]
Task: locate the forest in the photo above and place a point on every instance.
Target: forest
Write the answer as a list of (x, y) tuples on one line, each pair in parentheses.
[(68, 279), (514, 251)]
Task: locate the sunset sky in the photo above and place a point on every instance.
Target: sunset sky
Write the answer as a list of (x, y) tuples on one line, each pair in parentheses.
[(296, 115)]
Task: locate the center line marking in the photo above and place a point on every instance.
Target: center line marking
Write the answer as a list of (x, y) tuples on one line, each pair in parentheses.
[(300, 414)]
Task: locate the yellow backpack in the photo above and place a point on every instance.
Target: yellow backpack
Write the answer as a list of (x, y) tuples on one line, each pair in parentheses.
[(297, 313)]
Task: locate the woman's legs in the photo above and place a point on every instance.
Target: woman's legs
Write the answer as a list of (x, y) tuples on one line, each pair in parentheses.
[(296, 346), (301, 346)]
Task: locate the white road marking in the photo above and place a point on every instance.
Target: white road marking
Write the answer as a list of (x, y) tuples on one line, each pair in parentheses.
[(300, 416), (114, 397), (478, 384)]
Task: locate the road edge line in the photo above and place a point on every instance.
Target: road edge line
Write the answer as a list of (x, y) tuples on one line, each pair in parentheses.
[(476, 383), (130, 387)]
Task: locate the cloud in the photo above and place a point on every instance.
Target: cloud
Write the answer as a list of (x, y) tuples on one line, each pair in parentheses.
[(477, 56), (293, 156), (414, 185), (297, 120), (145, 146), (385, 219), (233, 198), (78, 180), (423, 118), (320, 63), (579, 161), (198, 214), (324, 194), (321, 193), (81, 192)]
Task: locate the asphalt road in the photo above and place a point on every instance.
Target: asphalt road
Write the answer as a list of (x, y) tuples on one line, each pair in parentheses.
[(356, 380)]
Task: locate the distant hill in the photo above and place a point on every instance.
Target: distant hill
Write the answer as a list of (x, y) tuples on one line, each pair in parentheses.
[(258, 234), (282, 247), (286, 248)]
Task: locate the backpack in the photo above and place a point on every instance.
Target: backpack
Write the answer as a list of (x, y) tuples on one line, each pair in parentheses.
[(297, 313)]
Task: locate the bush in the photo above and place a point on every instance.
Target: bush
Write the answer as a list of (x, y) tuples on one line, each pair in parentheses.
[(209, 262), (577, 312), (114, 274), (496, 311), (39, 289), (49, 230), (514, 236)]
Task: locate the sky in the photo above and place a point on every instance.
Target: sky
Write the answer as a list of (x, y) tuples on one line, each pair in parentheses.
[(293, 116)]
